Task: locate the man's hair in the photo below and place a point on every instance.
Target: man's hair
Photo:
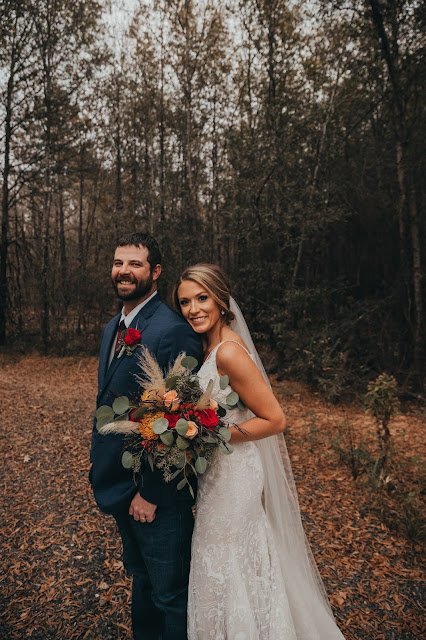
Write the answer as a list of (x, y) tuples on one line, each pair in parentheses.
[(144, 240)]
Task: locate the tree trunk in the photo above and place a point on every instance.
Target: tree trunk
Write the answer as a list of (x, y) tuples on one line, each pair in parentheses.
[(4, 244)]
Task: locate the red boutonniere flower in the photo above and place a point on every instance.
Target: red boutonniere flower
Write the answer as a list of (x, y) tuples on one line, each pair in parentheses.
[(128, 342)]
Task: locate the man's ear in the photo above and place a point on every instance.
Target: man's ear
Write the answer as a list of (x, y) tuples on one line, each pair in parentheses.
[(156, 272)]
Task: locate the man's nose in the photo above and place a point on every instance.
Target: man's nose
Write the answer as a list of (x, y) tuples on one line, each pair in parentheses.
[(124, 268)]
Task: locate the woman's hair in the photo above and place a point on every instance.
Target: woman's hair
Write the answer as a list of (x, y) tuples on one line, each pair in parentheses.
[(214, 280)]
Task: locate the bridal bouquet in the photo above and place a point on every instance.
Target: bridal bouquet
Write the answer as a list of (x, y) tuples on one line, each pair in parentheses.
[(174, 425)]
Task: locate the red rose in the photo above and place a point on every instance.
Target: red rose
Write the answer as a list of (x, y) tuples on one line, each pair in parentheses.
[(208, 418), (172, 418), (132, 337)]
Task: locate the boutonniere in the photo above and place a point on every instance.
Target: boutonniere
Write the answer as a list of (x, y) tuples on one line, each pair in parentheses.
[(129, 341)]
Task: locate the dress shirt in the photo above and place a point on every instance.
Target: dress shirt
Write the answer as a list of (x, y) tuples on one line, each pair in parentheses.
[(128, 320)]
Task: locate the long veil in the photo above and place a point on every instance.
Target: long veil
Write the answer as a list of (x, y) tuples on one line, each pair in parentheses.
[(312, 615)]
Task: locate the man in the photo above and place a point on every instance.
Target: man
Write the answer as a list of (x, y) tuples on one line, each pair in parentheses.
[(154, 519)]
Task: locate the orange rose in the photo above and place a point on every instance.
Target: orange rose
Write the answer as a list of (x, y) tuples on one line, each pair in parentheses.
[(171, 400), (192, 430), (213, 404)]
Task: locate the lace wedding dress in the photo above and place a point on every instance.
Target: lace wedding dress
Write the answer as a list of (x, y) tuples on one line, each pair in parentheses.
[(237, 590)]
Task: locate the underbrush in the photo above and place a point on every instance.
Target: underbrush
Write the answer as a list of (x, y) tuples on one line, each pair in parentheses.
[(396, 493)]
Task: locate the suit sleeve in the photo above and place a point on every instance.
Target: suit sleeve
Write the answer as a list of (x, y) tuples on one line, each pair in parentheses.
[(183, 338)]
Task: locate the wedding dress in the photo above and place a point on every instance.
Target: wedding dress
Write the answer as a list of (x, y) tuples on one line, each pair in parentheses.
[(242, 585)]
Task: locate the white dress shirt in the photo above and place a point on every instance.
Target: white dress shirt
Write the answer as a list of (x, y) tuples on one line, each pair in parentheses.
[(128, 320)]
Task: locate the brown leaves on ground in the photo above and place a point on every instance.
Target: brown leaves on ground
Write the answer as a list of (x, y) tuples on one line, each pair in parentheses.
[(61, 572)]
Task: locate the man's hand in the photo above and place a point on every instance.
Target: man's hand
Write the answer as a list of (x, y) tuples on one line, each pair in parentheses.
[(142, 510)]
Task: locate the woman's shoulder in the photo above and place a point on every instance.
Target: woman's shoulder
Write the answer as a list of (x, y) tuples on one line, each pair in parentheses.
[(232, 347)]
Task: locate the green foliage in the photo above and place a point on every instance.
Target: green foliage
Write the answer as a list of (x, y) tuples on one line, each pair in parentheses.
[(284, 162), (121, 405), (381, 398), (160, 425), (223, 382), (189, 362)]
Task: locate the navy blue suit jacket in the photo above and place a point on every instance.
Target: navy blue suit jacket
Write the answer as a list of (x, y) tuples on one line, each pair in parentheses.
[(166, 334)]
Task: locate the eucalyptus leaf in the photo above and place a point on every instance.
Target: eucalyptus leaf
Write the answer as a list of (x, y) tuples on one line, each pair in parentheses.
[(224, 382), (167, 437), (201, 464), (191, 491), (182, 426), (181, 461), (123, 417), (189, 362), (226, 449), (175, 474), (241, 405), (160, 426), (182, 443), (103, 421), (151, 462), (121, 405), (104, 411), (127, 460), (182, 483), (232, 398), (140, 411), (225, 433), (171, 382), (207, 437)]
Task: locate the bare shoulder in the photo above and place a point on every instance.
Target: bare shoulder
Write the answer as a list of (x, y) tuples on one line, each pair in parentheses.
[(232, 352)]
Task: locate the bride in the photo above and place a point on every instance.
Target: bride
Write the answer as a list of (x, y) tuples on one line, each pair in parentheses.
[(253, 576)]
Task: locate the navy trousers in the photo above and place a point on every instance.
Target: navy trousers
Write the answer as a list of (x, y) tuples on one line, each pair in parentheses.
[(157, 554)]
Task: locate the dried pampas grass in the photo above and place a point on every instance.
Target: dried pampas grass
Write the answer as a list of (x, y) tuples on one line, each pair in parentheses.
[(120, 426)]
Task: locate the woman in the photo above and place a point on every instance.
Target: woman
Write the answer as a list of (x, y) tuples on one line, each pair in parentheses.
[(252, 574)]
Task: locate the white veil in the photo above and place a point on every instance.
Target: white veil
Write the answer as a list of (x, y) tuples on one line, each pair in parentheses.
[(309, 605)]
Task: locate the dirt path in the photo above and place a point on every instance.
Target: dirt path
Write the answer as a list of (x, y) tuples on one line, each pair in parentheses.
[(61, 572)]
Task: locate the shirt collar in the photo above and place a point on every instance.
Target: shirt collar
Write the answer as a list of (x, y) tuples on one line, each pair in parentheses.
[(134, 312)]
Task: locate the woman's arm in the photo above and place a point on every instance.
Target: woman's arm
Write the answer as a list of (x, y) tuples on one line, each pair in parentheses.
[(245, 378)]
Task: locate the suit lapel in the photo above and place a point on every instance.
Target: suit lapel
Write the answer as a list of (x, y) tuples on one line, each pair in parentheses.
[(140, 322), (109, 335)]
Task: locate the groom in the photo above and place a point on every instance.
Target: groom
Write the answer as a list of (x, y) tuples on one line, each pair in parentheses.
[(154, 519)]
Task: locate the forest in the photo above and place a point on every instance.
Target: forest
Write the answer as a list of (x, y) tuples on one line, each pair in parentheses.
[(282, 139)]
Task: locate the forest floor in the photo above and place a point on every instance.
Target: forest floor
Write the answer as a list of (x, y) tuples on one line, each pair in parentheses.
[(61, 571)]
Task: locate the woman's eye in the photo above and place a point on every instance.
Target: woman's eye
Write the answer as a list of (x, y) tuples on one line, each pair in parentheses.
[(202, 298), (183, 302)]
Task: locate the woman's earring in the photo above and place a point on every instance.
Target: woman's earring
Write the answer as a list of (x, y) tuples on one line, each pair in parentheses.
[(223, 312)]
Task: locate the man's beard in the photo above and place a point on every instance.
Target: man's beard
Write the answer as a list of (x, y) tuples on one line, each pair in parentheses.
[(142, 288)]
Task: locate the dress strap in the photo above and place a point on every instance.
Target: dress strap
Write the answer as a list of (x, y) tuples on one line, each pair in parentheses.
[(239, 343)]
